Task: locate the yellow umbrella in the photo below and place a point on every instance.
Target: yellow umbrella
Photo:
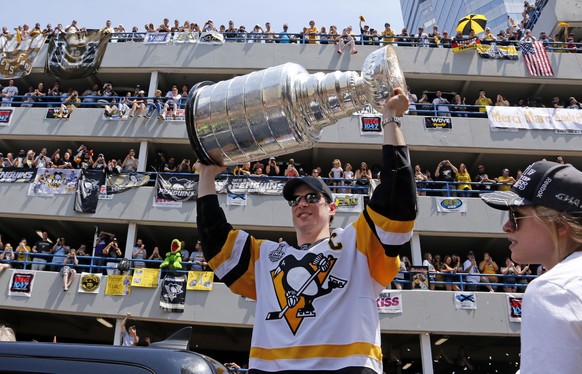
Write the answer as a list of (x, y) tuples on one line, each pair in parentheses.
[(475, 22)]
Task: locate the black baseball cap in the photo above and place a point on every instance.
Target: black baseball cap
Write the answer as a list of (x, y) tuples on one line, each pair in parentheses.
[(316, 183), (546, 183)]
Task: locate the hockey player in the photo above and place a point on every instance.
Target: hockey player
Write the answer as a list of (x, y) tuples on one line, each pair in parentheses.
[(316, 302)]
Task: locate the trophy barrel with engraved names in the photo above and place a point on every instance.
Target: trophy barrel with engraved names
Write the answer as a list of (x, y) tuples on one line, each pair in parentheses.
[(282, 109)]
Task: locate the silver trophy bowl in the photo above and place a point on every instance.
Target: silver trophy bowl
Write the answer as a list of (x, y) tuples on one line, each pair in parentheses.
[(282, 109)]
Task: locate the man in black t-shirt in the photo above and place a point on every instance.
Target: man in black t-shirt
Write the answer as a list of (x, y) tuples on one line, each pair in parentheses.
[(43, 246), (446, 172), (482, 177)]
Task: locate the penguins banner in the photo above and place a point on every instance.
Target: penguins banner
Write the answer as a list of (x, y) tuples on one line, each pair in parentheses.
[(118, 183), (88, 191), (183, 187), (11, 175), (76, 55), (18, 56), (173, 294), (252, 185)]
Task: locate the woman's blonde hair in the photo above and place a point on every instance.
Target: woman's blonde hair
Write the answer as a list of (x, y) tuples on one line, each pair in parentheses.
[(555, 218)]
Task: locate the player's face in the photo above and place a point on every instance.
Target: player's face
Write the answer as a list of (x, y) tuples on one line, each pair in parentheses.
[(311, 217), (531, 242)]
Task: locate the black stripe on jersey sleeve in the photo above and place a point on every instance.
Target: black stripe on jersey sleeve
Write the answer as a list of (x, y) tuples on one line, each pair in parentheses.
[(242, 266), (213, 227), (390, 249), (395, 196)]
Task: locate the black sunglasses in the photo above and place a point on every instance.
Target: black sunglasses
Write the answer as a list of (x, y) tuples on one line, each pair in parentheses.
[(311, 198)]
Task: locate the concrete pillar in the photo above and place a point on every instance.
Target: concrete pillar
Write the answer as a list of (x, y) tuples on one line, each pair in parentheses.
[(416, 250), (154, 78), (117, 334), (131, 238), (426, 353), (143, 156)]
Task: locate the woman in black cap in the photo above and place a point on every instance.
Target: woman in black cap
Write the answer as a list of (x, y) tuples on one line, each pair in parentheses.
[(545, 227)]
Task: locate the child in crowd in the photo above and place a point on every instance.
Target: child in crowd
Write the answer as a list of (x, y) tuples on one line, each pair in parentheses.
[(348, 176), (336, 172)]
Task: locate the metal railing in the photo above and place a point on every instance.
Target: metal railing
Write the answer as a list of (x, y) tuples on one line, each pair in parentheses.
[(360, 39), (98, 264), (99, 102), (450, 189), (521, 281), (90, 264)]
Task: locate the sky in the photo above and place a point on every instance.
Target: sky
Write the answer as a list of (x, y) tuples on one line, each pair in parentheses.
[(296, 13)]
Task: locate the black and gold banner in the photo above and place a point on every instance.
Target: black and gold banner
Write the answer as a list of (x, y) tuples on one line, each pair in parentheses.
[(88, 190), (118, 183), (177, 188), (76, 55), (17, 57)]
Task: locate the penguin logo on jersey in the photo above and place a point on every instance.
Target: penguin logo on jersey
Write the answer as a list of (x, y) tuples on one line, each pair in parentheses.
[(298, 282)]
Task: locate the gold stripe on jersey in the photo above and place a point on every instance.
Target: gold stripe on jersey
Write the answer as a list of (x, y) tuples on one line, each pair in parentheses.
[(318, 351), (226, 251), (382, 268), (388, 225), (245, 285), (235, 245)]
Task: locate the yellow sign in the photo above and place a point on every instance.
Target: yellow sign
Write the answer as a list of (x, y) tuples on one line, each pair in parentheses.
[(145, 277), (118, 285), (200, 280)]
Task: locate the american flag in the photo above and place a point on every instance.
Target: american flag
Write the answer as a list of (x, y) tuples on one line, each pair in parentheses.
[(536, 59)]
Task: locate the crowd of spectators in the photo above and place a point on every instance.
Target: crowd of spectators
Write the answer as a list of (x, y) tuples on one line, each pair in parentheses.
[(452, 273), (58, 255), (136, 103), (313, 34), (446, 179), (449, 180), (82, 158), (131, 104), (451, 104), (340, 177)]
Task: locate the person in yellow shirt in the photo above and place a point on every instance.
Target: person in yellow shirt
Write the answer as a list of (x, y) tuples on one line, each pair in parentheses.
[(312, 33), (488, 266), (21, 253), (483, 101), (388, 34), (489, 37), (505, 181), (501, 101), (245, 169), (463, 178)]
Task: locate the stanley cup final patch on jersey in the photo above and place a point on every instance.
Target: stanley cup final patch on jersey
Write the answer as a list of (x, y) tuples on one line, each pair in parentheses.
[(298, 282)]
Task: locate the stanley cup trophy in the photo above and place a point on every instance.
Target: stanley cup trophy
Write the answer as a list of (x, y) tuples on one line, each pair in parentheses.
[(282, 109)]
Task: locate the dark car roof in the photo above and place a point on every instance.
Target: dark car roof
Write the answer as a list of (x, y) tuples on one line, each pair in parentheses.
[(31, 357)]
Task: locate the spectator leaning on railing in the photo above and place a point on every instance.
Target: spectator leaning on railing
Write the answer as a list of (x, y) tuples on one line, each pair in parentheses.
[(6, 257), (505, 181), (8, 93)]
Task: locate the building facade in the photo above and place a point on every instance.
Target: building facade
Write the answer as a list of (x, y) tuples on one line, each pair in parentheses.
[(222, 320), (447, 13)]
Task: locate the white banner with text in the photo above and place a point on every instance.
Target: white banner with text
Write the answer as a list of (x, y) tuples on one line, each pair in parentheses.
[(524, 118)]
